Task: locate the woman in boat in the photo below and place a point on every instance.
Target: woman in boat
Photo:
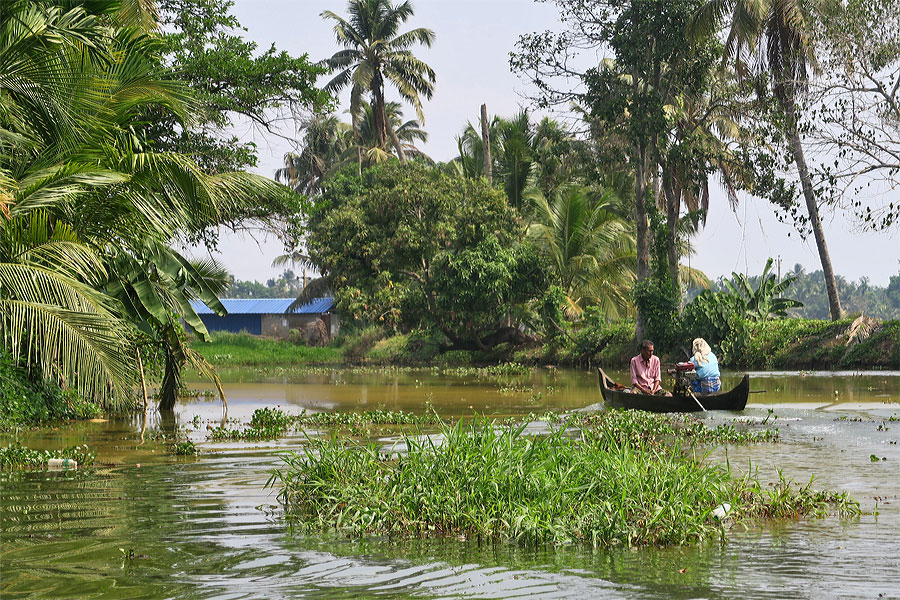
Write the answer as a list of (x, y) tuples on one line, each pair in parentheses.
[(707, 367)]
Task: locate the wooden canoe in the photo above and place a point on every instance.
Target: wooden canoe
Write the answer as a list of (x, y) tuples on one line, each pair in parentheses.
[(616, 396)]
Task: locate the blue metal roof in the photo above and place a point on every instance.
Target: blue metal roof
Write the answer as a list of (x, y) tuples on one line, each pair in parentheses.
[(265, 306)]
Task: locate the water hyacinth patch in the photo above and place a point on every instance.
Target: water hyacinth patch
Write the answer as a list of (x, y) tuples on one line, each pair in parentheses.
[(597, 487), (17, 456), (272, 423)]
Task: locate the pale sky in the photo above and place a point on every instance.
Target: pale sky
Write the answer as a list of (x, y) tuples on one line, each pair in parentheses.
[(470, 57)]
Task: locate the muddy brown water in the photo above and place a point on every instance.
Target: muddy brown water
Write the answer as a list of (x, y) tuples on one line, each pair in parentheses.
[(146, 524)]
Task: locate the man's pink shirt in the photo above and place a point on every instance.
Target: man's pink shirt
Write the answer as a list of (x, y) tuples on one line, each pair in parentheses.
[(644, 372)]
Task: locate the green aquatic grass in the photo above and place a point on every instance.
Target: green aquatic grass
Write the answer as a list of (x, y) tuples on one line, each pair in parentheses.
[(606, 485), (244, 350), (272, 423), (17, 456)]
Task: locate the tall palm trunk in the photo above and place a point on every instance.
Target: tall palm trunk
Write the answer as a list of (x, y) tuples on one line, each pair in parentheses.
[(642, 228), (486, 146), (834, 302), (395, 141), (673, 204), (378, 107)]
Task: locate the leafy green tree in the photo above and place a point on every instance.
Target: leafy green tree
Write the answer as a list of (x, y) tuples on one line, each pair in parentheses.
[(408, 246), (629, 97), (375, 51), (92, 208), (229, 78)]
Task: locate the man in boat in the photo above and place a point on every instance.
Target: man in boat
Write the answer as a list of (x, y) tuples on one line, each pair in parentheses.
[(645, 372), (707, 367)]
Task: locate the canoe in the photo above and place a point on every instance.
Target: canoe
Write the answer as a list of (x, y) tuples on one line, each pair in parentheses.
[(734, 399)]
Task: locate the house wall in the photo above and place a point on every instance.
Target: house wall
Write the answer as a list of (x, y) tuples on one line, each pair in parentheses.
[(279, 326), (234, 323)]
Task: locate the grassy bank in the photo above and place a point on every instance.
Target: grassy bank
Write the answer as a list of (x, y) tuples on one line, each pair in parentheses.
[(245, 350), (777, 344), (618, 480)]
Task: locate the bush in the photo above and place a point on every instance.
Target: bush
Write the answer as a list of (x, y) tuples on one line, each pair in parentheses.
[(27, 402), (658, 301), (596, 336), (715, 316), (356, 345)]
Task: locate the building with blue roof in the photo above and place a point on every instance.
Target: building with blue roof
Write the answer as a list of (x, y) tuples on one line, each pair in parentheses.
[(268, 316)]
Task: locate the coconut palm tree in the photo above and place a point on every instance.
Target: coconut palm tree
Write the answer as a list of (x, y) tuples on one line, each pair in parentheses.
[(89, 212), (404, 133), (326, 140), (772, 38), (375, 51), (589, 244)]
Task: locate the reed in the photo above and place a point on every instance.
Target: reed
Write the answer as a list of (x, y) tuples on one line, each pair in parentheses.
[(607, 485)]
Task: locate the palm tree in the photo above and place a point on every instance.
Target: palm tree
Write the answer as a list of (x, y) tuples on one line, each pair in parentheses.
[(772, 38), (404, 133), (325, 142), (589, 245), (89, 211), (375, 51)]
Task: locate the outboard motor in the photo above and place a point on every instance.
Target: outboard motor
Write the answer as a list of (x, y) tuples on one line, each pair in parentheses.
[(683, 373)]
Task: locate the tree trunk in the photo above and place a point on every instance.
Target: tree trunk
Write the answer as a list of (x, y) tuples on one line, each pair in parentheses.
[(396, 142), (378, 108), (486, 145), (642, 232), (673, 204), (834, 302)]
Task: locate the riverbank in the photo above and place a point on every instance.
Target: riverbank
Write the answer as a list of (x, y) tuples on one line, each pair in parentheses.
[(786, 344)]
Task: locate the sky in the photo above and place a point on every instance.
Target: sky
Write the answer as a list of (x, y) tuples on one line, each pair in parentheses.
[(471, 59)]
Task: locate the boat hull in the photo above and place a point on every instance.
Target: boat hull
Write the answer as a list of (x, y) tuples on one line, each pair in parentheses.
[(733, 399)]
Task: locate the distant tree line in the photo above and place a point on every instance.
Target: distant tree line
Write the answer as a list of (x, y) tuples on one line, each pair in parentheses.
[(856, 296)]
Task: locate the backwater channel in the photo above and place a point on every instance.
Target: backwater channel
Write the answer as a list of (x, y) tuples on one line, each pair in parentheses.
[(143, 523)]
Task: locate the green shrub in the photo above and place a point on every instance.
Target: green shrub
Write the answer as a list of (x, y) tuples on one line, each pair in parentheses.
[(717, 318), (27, 402), (598, 338), (355, 345)]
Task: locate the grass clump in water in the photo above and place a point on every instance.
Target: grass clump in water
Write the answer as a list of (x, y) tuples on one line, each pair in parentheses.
[(271, 423), (601, 487), (17, 456)]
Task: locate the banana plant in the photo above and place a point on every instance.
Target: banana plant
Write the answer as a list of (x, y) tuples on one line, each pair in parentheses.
[(764, 302), (154, 287)]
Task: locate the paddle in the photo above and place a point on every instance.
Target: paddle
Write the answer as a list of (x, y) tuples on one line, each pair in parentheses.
[(695, 400)]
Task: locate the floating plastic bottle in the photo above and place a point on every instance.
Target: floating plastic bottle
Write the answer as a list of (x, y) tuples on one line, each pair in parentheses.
[(62, 463)]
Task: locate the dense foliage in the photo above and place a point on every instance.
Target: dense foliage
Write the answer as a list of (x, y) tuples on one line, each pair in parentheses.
[(407, 246), (91, 209)]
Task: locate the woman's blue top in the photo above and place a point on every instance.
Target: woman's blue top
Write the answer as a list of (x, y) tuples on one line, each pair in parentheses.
[(707, 369)]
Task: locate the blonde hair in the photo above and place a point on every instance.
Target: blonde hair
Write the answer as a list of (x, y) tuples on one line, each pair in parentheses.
[(701, 349)]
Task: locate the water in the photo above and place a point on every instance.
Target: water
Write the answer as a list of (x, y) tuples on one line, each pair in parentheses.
[(145, 524)]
